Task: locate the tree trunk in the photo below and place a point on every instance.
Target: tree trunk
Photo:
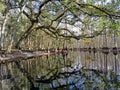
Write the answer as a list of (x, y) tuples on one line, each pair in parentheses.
[(2, 36)]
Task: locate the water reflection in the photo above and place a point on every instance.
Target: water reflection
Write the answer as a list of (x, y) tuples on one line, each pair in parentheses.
[(73, 71)]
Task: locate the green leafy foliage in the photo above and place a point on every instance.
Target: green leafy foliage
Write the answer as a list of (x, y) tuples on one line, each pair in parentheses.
[(59, 19), (2, 7)]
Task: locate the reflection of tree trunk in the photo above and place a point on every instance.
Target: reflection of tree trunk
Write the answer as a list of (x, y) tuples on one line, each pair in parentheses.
[(105, 62), (102, 56), (115, 52), (116, 64), (4, 74)]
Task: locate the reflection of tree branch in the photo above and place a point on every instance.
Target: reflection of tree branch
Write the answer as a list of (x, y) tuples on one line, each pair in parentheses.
[(100, 73), (82, 73), (62, 86), (28, 76), (56, 75), (44, 79)]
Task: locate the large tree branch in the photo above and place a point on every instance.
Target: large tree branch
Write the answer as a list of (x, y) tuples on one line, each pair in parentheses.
[(104, 10), (69, 8), (41, 5), (33, 21)]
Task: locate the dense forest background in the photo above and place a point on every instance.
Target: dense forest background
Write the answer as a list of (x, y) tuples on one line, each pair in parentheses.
[(38, 24)]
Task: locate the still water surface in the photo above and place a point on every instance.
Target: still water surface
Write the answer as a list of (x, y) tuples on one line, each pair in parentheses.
[(74, 71)]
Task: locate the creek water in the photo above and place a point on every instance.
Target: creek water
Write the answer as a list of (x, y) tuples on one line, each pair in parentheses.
[(73, 71)]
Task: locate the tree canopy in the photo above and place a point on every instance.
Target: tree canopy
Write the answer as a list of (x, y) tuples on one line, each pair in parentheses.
[(28, 20)]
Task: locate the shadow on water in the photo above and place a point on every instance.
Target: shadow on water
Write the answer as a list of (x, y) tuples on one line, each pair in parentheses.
[(66, 71)]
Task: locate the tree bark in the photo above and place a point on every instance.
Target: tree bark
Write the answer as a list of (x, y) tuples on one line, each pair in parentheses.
[(2, 36), (26, 54)]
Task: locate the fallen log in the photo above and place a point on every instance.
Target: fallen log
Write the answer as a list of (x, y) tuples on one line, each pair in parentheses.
[(23, 55)]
